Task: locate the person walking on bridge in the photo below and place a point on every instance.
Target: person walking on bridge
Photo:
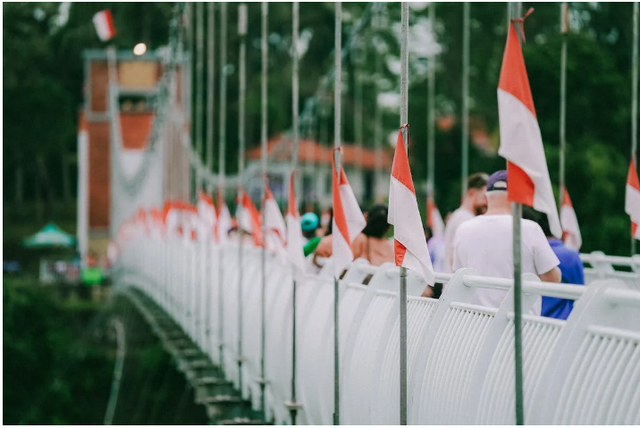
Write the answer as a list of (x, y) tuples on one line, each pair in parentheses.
[(474, 203), (485, 244)]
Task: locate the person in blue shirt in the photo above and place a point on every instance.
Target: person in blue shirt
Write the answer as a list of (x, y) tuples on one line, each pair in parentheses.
[(570, 266)]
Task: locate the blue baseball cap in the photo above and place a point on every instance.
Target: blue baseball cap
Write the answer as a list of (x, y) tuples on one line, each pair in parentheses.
[(309, 222), (497, 181)]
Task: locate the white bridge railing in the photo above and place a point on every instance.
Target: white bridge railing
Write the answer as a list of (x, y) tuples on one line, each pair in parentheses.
[(585, 370)]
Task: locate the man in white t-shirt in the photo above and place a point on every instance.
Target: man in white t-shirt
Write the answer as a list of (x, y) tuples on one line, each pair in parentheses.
[(474, 203), (485, 244)]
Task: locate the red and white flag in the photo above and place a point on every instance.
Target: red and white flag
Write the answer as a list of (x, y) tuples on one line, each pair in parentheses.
[(248, 218), (223, 224), (103, 22), (434, 219), (520, 138), (348, 220), (410, 245), (206, 214), (294, 233), (632, 199), (571, 235), (273, 220)]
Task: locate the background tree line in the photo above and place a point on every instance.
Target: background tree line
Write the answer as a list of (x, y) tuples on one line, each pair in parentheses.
[(43, 71)]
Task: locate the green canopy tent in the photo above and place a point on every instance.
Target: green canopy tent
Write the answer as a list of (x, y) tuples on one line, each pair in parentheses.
[(50, 236)]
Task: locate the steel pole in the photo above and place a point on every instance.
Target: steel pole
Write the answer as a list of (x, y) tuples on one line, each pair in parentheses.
[(199, 85), (431, 136), (358, 107), (337, 139), (242, 33), (465, 97), (634, 99), (293, 405), (210, 85), (263, 146), (378, 131), (515, 12), (404, 119), (564, 12), (222, 145)]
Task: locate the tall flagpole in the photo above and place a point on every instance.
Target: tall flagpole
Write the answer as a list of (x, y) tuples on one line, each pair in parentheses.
[(564, 28), (357, 54), (293, 405), (465, 97), (404, 119), (210, 119), (634, 99), (210, 85), (242, 33), (378, 44), (515, 12), (222, 164), (431, 131), (337, 137), (199, 85), (263, 144)]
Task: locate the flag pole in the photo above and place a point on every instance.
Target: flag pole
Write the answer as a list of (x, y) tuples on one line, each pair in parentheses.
[(337, 137), (357, 54), (431, 131), (378, 111), (465, 96), (210, 116), (515, 12), (221, 166), (199, 86), (564, 28), (634, 99), (210, 86), (293, 405), (242, 33), (404, 118), (263, 145)]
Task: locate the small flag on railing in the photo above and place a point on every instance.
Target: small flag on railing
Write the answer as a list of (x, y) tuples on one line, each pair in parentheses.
[(248, 218), (103, 22), (206, 214), (294, 232), (571, 235), (224, 222), (348, 220), (410, 245), (273, 220), (434, 219), (520, 138), (632, 200)]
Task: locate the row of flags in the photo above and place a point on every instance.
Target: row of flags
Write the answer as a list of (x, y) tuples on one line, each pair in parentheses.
[(528, 176)]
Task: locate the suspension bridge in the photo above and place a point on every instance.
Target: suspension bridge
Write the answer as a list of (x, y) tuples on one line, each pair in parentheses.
[(261, 344)]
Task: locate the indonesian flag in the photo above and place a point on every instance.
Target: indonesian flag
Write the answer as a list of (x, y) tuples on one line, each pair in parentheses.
[(294, 233), (632, 199), (206, 213), (410, 246), (348, 220), (170, 219), (520, 138), (103, 22), (223, 224), (572, 236), (248, 218), (273, 220), (275, 227), (434, 219)]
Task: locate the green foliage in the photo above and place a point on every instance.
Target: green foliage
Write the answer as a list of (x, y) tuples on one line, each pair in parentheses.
[(51, 375)]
